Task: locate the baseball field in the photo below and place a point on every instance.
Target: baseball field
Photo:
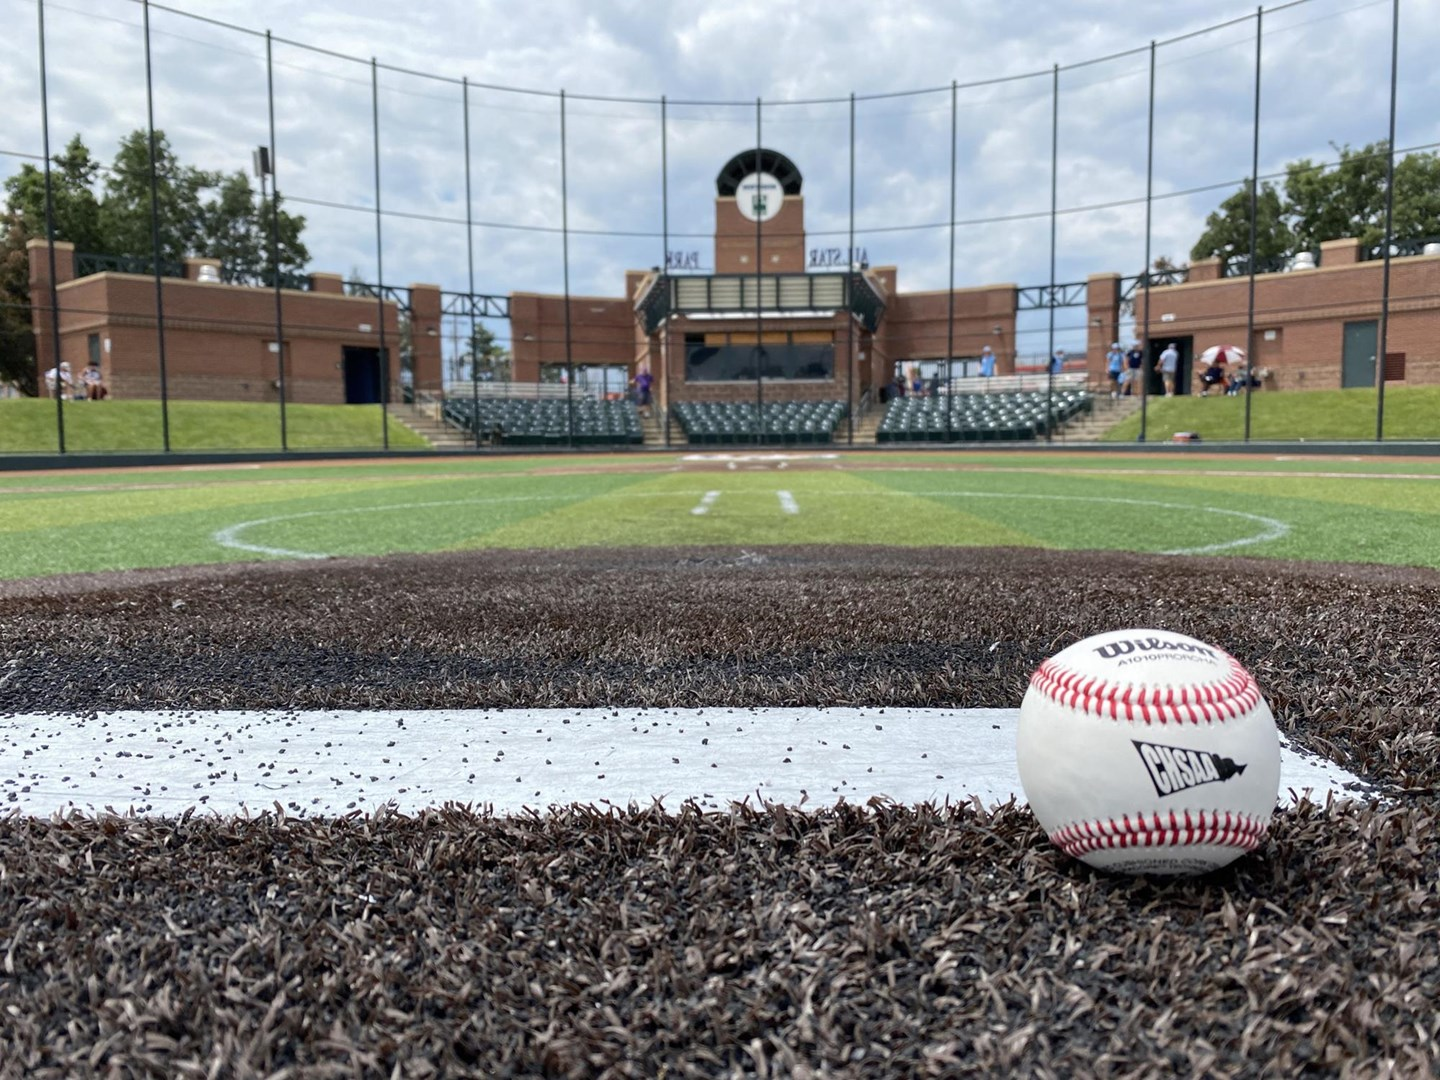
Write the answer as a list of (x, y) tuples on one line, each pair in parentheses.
[(193, 629)]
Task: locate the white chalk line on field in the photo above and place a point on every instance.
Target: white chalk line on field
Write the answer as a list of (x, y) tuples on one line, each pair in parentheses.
[(788, 504), (1270, 528), (333, 762)]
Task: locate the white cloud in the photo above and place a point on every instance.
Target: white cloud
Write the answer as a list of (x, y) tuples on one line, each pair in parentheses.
[(1325, 79)]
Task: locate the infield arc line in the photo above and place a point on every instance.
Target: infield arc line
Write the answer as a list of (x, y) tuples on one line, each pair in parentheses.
[(1270, 528)]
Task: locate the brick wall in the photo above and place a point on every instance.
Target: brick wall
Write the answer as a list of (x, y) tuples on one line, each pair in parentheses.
[(1308, 311), (916, 325), (782, 239), (602, 331), (217, 337)]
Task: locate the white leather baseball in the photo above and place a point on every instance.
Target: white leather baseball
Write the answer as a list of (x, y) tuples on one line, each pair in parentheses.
[(1149, 752)]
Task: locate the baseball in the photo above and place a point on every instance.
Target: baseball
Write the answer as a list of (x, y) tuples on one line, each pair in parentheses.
[(1148, 752)]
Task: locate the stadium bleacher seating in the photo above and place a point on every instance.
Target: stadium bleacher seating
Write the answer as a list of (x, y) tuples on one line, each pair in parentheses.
[(521, 422), (719, 423), (1018, 415)]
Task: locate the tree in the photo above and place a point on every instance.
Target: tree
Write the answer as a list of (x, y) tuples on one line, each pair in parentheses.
[(72, 186), (76, 218), (1328, 202), (235, 228), (125, 214), (17, 339), (1227, 230), (484, 357), (201, 213)]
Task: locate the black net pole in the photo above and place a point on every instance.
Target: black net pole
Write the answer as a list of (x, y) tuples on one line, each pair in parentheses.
[(950, 317), (1249, 366), (379, 257), (50, 243), (1054, 187), (759, 284), (470, 275), (274, 169), (1144, 372), (1389, 229), (855, 272), (155, 236), (565, 246), (658, 386)]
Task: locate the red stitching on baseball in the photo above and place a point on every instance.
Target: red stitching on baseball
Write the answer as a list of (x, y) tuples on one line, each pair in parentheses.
[(1229, 829), (1215, 702)]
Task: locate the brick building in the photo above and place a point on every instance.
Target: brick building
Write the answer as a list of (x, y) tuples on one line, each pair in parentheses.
[(1316, 328), (220, 339), (814, 324), (777, 317)]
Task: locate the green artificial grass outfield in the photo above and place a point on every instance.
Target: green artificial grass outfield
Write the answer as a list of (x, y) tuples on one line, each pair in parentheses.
[(1318, 415), (29, 425), (1387, 512)]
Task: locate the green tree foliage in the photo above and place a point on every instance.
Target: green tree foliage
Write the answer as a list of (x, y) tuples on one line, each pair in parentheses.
[(1227, 230), (236, 229), (179, 189), (17, 340), (72, 188), (107, 211), (484, 357), (1322, 203)]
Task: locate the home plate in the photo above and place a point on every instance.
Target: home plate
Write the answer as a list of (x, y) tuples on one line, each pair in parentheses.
[(333, 763)]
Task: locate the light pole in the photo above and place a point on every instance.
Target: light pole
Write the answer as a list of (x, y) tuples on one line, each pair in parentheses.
[(265, 168)]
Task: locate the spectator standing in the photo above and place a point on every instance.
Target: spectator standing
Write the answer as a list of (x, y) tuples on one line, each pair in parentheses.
[(1169, 364), (917, 382), (643, 383), (1134, 362), (1057, 362), (935, 382), (987, 362), (1114, 368), (94, 383)]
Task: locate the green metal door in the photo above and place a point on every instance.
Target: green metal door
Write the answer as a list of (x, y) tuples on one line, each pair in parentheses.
[(1357, 363)]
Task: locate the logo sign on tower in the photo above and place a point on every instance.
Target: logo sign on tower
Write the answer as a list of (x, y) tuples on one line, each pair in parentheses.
[(759, 196)]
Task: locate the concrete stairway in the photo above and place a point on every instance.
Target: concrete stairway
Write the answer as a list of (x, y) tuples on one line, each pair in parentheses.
[(865, 427), (425, 421), (1089, 427), (653, 427)]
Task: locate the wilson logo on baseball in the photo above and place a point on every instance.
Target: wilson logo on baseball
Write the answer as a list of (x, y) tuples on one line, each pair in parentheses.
[(1173, 769), (1110, 650)]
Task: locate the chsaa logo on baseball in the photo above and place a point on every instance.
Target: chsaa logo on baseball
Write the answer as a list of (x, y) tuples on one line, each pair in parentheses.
[(1147, 647), (1173, 769)]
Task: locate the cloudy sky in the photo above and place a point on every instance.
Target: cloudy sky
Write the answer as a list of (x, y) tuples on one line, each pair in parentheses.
[(1325, 80)]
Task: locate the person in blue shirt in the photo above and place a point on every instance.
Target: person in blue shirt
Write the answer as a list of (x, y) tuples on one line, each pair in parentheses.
[(1057, 362), (1114, 366), (987, 362)]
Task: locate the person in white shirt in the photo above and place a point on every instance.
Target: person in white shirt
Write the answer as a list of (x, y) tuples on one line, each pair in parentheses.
[(1169, 364), (60, 379)]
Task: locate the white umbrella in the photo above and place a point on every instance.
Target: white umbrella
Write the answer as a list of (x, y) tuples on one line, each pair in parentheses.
[(1223, 354)]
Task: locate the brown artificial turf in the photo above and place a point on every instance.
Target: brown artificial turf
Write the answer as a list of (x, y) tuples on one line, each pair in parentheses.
[(880, 941)]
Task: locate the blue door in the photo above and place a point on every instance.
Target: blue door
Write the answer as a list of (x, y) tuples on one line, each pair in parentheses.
[(361, 368)]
